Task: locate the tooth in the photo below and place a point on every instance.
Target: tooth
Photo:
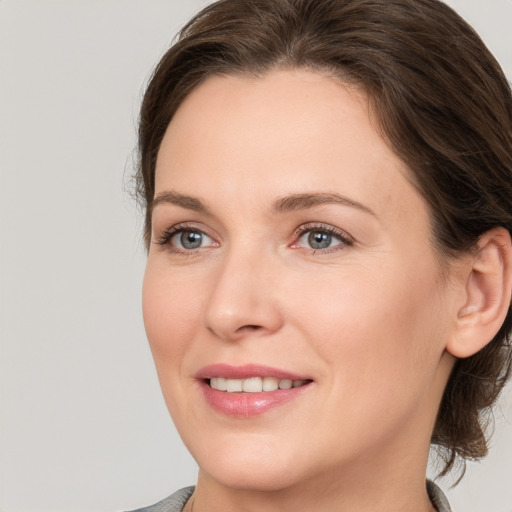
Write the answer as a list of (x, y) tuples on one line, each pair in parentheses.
[(218, 383), (233, 385), (285, 384), (252, 385), (270, 384)]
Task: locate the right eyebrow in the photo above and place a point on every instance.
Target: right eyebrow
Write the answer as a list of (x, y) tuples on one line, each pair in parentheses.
[(181, 200)]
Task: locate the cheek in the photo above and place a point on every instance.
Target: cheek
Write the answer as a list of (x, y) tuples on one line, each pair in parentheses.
[(382, 350), (170, 312), (376, 326)]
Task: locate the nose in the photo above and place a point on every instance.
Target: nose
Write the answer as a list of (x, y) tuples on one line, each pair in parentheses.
[(243, 301)]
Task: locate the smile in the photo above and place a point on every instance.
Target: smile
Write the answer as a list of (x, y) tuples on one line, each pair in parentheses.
[(249, 390), (253, 384)]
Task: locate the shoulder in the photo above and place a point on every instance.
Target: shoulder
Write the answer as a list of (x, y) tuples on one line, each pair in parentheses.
[(173, 503), (437, 497)]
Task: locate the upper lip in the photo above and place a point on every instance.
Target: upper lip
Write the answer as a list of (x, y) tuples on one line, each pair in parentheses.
[(246, 371)]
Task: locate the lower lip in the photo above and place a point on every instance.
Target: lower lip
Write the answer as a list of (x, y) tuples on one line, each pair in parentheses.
[(246, 405)]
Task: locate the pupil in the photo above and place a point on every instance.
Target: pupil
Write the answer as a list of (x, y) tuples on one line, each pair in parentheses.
[(318, 240), (191, 239)]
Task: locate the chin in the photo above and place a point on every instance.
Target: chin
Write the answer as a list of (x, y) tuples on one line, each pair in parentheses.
[(264, 478), (254, 466)]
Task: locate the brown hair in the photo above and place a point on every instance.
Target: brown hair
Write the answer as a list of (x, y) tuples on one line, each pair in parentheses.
[(442, 103)]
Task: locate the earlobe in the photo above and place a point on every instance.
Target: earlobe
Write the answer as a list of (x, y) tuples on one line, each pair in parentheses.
[(488, 288)]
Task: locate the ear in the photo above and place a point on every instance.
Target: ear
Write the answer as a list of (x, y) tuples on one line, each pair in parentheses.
[(488, 289)]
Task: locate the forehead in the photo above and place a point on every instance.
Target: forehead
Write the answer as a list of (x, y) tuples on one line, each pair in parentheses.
[(285, 103), (288, 131)]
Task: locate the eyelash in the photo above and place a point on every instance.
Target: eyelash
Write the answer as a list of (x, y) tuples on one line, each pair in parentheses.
[(166, 236), (345, 239)]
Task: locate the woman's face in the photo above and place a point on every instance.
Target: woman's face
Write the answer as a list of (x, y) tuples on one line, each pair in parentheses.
[(288, 245)]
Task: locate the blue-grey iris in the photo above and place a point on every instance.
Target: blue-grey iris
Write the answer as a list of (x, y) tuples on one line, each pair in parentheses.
[(191, 239), (319, 240)]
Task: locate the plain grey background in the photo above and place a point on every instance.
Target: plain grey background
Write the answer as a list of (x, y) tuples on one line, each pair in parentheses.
[(82, 424)]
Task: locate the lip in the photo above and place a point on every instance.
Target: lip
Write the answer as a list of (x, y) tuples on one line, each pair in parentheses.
[(247, 405), (245, 371)]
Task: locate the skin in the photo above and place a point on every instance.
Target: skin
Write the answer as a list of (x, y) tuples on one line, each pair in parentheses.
[(368, 319)]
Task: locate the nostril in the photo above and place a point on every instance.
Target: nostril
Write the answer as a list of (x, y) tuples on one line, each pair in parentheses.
[(249, 328)]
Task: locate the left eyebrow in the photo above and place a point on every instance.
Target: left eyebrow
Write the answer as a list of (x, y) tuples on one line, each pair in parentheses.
[(308, 200)]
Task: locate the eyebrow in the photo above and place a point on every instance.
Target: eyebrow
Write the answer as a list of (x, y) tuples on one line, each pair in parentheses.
[(310, 200), (184, 201), (282, 205)]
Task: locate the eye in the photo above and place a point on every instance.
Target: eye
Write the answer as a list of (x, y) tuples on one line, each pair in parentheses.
[(321, 238), (317, 239), (185, 239), (190, 240)]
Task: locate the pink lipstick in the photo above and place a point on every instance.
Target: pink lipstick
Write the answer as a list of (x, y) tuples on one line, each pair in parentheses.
[(249, 390)]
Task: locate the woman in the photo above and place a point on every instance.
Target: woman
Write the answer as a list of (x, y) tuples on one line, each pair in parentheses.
[(328, 197)]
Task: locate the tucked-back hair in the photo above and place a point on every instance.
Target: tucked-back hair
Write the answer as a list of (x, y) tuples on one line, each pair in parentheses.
[(441, 102)]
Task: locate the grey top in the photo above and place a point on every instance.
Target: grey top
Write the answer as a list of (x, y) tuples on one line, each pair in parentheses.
[(437, 497), (176, 502), (173, 503)]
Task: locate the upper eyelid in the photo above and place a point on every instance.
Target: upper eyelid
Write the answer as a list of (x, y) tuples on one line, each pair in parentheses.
[(164, 236), (320, 226), (168, 232), (186, 226)]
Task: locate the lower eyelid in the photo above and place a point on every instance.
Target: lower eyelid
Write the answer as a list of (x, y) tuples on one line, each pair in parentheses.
[(165, 237)]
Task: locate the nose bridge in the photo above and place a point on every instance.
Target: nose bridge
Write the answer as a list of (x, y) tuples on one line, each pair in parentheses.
[(242, 298)]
